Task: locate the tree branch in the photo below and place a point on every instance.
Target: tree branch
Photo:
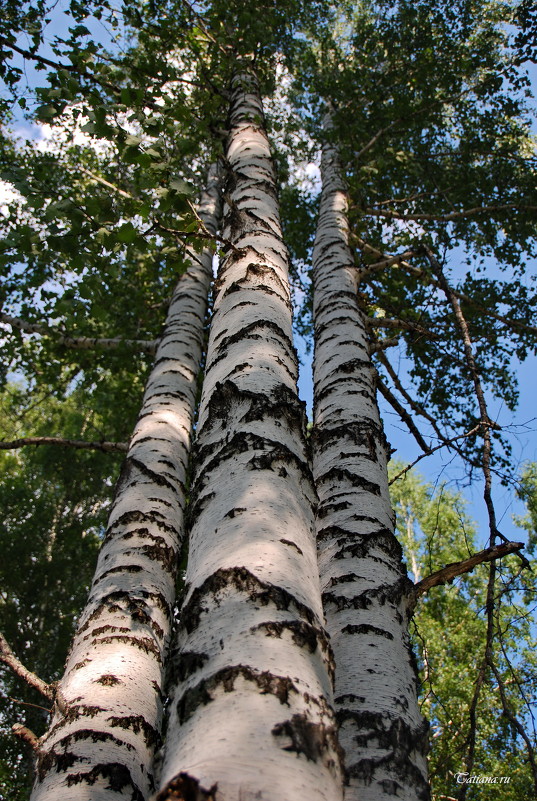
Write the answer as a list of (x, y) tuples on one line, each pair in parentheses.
[(444, 444), (451, 571), (403, 414), (83, 343), (8, 658), (417, 272), (27, 736), (406, 325), (453, 215), (104, 446)]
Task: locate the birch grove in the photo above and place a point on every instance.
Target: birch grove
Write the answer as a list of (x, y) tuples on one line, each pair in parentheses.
[(249, 633)]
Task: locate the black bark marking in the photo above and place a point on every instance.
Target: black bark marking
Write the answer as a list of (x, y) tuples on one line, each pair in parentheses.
[(137, 724), (398, 739), (159, 551), (123, 601), (189, 662), (341, 474), (333, 506), (118, 777), (186, 788), (292, 545), (365, 628), (360, 546), (385, 593), (313, 740), (62, 762), (349, 698), (269, 683), (108, 680), (243, 581), (367, 435), (118, 569), (304, 635), (238, 510), (154, 518), (145, 644)]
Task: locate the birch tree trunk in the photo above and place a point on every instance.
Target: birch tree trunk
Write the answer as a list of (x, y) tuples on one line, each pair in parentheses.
[(107, 717), (249, 716), (363, 579)]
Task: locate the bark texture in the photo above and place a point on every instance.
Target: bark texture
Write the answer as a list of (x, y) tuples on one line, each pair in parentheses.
[(249, 716), (365, 587), (108, 712)]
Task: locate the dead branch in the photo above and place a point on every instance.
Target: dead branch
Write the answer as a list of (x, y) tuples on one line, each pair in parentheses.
[(104, 446), (26, 735), (84, 343), (8, 658), (453, 215), (451, 571), (444, 444), (403, 414)]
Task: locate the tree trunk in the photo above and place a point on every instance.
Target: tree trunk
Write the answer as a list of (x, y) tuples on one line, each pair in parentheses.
[(249, 717), (108, 712), (363, 580)]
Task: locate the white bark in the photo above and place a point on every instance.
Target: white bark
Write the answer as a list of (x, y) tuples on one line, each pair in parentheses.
[(108, 713), (249, 717), (365, 588)]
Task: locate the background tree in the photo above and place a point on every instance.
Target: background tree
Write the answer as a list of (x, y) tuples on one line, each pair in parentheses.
[(449, 632)]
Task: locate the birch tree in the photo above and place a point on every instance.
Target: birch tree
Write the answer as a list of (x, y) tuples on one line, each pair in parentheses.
[(253, 671), (365, 587), (115, 670)]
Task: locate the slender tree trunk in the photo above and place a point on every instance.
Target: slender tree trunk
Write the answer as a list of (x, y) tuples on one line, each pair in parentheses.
[(363, 580), (108, 712), (249, 716)]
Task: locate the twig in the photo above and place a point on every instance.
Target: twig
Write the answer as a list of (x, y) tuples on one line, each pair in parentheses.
[(403, 414), (417, 272), (453, 215), (82, 342), (451, 571), (104, 446), (444, 444), (27, 735), (8, 658)]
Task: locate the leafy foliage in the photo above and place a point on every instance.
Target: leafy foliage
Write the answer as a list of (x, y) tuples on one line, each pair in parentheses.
[(450, 636)]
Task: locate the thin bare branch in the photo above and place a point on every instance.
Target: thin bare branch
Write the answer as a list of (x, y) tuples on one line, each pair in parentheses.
[(8, 658), (444, 444), (27, 735), (486, 421), (403, 414), (417, 272), (104, 446), (451, 571), (81, 342), (397, 323), (508, 712), (106, 183), (452, 215), (383, 344)]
